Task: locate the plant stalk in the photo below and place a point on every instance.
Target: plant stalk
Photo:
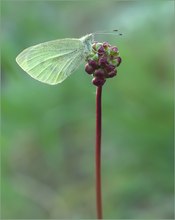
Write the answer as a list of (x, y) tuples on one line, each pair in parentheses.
[(98, 152)]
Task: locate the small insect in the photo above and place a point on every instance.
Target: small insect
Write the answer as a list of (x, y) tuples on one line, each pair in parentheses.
[(52, 62)]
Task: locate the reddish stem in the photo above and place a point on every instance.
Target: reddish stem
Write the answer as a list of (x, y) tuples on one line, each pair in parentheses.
[(98, 152)]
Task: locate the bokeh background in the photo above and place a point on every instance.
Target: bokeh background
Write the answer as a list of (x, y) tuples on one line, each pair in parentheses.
[(48, 132)]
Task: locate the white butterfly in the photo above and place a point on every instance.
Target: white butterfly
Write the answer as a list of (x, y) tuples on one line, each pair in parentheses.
[(52, 62)]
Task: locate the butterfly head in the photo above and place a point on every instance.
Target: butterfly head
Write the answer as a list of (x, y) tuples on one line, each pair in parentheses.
[(87, 41)]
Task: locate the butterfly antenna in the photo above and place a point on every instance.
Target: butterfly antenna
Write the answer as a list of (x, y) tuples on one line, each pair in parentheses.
[(114, 32)]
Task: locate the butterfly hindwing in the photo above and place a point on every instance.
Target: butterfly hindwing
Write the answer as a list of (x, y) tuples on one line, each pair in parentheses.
[(53, 61)]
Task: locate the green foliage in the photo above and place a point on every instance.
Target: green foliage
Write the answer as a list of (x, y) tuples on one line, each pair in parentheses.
[(48, 132)]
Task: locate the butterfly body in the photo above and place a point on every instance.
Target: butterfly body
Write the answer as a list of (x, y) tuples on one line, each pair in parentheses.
[(52, 62)]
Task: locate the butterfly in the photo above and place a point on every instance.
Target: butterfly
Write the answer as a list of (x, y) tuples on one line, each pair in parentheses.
[(53, 61)]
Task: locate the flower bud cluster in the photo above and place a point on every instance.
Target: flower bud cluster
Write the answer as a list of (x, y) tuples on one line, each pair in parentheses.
[(102, 62)]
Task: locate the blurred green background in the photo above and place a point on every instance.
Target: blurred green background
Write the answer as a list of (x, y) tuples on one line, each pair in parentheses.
[(48, 132)]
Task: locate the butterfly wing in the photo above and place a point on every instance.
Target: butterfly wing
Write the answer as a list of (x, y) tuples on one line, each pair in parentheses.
[(53, 61)]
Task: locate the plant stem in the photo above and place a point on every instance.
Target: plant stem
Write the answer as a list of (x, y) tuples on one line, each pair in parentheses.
[(98, 152)]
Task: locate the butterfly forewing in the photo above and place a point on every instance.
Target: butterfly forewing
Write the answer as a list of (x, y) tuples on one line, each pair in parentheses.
[(53, 61)]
